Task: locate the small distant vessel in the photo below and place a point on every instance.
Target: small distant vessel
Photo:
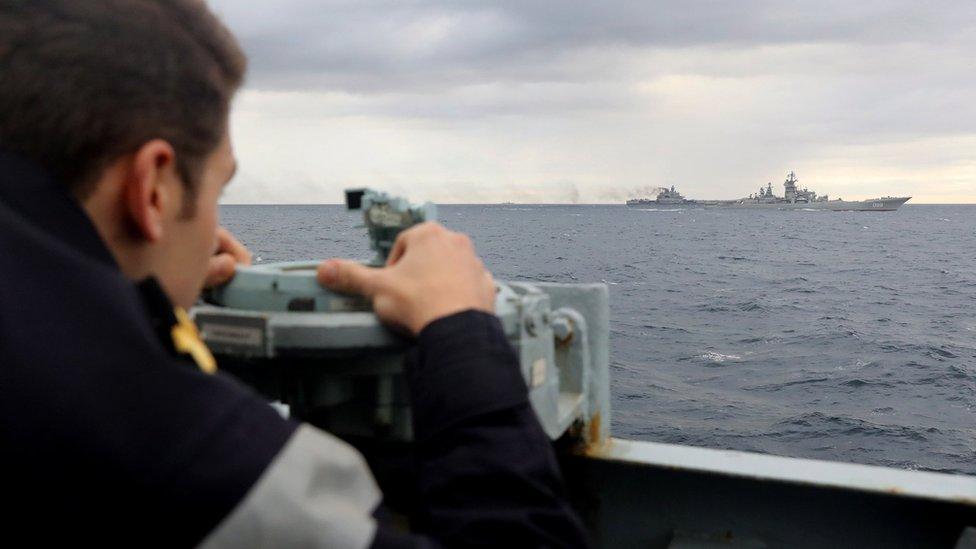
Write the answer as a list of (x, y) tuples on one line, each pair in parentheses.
[(794, 199)]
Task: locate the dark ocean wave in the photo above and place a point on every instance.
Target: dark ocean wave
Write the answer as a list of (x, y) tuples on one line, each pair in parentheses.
[(823, 425)]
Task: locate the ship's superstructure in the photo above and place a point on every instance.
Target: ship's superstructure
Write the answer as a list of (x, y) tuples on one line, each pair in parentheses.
[(794, 198), (793, 194)]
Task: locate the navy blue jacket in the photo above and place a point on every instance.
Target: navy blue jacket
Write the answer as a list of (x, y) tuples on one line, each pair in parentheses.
[(109, 436)]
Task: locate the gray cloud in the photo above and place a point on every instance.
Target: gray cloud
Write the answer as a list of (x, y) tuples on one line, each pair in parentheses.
[(889, 66), (379, 46), (593, 100)]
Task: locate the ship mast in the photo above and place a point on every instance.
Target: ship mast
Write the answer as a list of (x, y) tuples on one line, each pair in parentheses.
[(790, 185)]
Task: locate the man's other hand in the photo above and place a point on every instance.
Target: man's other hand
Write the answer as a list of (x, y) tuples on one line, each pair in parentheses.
[(431, 273), (229, 253)]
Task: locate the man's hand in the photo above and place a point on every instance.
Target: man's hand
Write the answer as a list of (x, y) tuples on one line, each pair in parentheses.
[(431, 273), (230, 252)]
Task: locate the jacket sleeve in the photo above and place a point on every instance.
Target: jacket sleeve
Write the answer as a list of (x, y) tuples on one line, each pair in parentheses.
[(487, 474)]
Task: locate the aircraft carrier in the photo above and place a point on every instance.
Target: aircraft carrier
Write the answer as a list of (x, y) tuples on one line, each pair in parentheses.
[(794, 198)]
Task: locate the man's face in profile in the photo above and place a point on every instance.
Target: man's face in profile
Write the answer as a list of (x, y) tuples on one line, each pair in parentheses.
[(190, 238)]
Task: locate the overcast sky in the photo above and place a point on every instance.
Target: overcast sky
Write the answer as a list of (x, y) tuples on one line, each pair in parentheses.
[(532, 101)]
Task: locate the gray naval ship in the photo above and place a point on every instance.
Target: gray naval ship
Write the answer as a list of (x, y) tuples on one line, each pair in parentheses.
[(667, 197), (794, 198), (326, 359)]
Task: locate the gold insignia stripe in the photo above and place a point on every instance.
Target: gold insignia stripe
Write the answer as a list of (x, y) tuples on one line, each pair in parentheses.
[(186, 339)]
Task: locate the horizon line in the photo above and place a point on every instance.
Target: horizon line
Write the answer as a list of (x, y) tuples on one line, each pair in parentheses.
[(910, 204)]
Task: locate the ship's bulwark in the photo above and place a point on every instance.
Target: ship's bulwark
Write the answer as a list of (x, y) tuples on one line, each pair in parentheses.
[(653, 495)]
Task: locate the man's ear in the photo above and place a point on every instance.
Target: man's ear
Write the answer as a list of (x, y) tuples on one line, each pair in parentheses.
[(150, 193)]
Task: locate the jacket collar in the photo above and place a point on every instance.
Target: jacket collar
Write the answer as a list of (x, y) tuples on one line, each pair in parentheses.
[(29, 190)]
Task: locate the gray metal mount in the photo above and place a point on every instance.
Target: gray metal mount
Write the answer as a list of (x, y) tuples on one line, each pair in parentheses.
[(327, 356)]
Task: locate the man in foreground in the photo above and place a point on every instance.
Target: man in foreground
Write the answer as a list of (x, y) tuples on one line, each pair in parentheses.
[(114, 148)]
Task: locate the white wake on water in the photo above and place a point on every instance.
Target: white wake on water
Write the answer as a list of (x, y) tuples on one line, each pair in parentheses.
[(712, 356)]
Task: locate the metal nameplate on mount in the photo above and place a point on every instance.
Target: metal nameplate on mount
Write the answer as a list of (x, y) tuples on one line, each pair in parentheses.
[(235, 334)]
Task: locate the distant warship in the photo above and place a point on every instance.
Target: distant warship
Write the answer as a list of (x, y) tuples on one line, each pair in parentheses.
[(794, 199), (667, 197)]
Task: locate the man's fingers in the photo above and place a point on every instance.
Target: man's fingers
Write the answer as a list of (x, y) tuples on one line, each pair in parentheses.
[(222, 267), (399, 246), (228, 243), (404, 239), (348, 277)]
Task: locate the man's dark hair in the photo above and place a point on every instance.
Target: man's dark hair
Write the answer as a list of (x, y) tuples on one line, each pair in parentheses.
[(84, 82)]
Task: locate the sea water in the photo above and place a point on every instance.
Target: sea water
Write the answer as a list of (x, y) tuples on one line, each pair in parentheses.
[(831, 335)]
